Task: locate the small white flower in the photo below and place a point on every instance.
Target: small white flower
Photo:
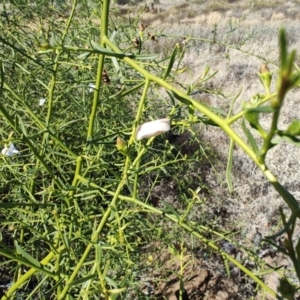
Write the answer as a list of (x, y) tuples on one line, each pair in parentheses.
[(10, 151), (42, 101), (91, 87), (152, 128)]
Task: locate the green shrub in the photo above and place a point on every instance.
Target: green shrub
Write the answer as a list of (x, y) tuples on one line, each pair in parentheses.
[(81, 195)]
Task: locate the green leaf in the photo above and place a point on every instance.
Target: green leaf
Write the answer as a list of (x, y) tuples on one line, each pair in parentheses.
[(292, 140), (84, 55), (295, 79), (293, 129), (283, 48), (169, 209), (112, 37), (145, 56), (108, 52), (290, 63), (250, 137), (171, 62), (26, 255), (232, 103), (252, 118), (229, 167), (111, 282), (82, 280), (181, 99), (261, 109)]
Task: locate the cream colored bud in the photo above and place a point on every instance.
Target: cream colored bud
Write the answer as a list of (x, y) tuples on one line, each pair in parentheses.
[(264, 69), (121, 144)]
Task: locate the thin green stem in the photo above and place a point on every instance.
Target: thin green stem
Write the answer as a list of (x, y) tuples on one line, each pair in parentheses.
[(104, 28), (137, 119), (267, 141), (96, 97)]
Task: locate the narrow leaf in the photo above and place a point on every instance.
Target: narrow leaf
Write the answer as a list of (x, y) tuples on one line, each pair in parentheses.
[(26, 255), (84, 55), (82, 280), (261, 109), (283, 48), (171, 62), (145, 56), (105, 51), (229, 167), (232, 103), (250, 137), (108, 52), (112, 37), (169, 209)]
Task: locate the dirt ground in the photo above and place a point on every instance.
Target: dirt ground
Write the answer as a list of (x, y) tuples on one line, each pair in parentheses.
[(203, 278)]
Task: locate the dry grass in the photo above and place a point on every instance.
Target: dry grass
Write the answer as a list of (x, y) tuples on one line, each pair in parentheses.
[(210, 12)]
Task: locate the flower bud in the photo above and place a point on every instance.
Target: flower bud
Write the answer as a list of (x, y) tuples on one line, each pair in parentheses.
[(121, 145), (264, 69), (265, 77)]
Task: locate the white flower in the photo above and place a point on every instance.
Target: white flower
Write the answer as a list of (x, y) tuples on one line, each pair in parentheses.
[(91, 87), (10, 151), (42, 101), (152, 128)]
